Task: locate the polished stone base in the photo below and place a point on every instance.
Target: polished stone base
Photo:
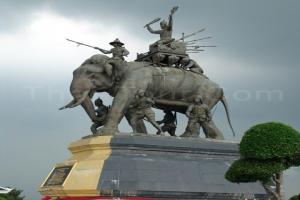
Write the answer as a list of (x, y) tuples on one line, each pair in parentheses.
[(155, 167)]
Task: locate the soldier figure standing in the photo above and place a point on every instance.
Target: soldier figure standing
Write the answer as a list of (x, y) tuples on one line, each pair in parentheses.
[(101, 113), (169, 122), (118, 52), (166, 29), (140, 109), (199, 116)]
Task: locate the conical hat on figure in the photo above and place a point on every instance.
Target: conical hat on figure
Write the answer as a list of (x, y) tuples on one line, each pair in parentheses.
[(116, 41)]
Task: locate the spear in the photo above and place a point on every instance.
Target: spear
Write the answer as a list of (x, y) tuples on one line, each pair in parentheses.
[(190, 35), (79, 43), (198, 46), (194, 50), (186, 36), (190, 43), (198, 39), (195, 46)]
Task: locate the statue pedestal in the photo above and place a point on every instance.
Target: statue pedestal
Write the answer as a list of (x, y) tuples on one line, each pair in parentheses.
[(147, 167)]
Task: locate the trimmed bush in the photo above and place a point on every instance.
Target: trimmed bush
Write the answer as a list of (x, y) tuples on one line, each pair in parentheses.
[(13, 195), (297, 197), (271, 140), (251, 171), (266, 151)]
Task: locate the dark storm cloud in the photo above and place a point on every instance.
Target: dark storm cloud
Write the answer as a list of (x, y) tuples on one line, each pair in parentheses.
[(256, 30)]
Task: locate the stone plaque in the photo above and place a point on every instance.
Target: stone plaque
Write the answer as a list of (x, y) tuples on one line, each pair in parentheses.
[(58, 176)]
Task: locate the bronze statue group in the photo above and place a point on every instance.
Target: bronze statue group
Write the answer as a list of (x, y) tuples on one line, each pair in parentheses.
[(136, 86), (141, 109)]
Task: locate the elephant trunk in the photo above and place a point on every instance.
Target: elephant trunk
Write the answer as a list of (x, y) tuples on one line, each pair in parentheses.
[(86, 103), (82, 90), (88, 106)]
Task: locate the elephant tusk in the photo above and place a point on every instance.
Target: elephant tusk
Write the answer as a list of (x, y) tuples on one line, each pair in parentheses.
[(68, 105), (84, 96), (73, 103)]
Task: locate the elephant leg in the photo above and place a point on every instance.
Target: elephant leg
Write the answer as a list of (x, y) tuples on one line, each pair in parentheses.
[(116, 113), (211, 130)]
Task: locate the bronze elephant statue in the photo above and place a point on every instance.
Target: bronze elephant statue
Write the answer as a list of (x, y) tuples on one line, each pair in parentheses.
[(172, 88)]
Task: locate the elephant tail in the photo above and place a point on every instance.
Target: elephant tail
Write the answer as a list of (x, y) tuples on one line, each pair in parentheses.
[(225, 104)]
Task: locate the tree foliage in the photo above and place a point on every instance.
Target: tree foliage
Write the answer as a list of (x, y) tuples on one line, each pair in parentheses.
[(272, 140), (251, 170), (266, 151), (297, 197), (13, 195)]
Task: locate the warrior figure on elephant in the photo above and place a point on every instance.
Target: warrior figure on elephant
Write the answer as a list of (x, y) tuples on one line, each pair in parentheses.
[(166, 29), (117, 59), (118, 52)]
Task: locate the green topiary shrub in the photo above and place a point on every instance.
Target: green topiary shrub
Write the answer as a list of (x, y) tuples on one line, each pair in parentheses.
[(271, 141), (13, 195), (266, 151), (251, 171), (297, 197)]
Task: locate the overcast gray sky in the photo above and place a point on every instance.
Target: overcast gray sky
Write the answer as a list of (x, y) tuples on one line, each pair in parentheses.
[(256, 62)]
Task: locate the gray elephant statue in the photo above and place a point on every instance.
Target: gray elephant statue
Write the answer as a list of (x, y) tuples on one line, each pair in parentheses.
[(172, 89)]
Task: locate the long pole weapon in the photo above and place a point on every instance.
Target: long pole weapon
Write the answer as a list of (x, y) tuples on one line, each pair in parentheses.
[(80, 43), (198, 39), (190, 35), (186, 36)]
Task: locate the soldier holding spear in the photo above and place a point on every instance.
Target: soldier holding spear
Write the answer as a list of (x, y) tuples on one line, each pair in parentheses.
[(118, 52)]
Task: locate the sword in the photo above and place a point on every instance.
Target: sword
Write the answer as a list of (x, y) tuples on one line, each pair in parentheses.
[(152, 22)]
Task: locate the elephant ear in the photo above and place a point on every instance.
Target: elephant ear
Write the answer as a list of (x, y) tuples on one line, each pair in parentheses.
[(93, 69), (108, 68), (100, 67)]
